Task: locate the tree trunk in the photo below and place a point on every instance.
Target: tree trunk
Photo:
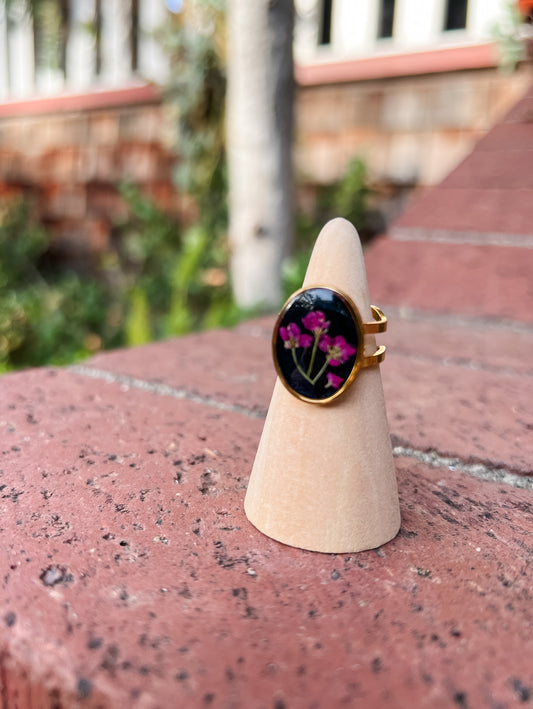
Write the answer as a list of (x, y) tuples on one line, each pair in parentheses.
[(259, 142)]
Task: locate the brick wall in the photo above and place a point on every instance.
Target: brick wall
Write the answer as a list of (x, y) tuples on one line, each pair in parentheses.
[(71, 159), (71, 164), (410, 130)]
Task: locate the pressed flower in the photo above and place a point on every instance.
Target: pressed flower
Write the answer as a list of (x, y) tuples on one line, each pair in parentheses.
[(336, 348), (292, 337), (333, 381), (317, 344), (316, 321)]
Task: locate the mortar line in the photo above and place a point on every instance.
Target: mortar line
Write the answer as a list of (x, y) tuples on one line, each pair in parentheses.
[(127, 381), (476, 470), (471, 364), (456, 320), (467, 237), (431, 458)]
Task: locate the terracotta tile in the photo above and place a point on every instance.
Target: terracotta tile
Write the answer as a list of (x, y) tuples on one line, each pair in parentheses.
[(458, 387), (522, 111)]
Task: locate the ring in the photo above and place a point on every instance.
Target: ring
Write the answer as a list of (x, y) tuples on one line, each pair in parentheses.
[(318, 343)]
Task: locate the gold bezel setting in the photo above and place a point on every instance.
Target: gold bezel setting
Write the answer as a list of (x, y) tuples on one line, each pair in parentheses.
[(318, 343)]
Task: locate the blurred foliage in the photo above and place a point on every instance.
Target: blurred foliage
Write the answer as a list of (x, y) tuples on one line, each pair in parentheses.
[(163, 276), (181, 279), (346, 198), (349, 197), (161, 279), (183, 283), (194, 97), (510, 34), (172, 279), (46, 316)]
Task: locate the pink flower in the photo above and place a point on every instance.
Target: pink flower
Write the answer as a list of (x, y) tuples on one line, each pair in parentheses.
[(316, 321), (337, 349), (292, 337), (333, 381)]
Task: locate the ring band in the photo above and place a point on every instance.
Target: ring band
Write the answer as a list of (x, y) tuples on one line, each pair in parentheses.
[(318, 343), (378, 325), (376, 358)]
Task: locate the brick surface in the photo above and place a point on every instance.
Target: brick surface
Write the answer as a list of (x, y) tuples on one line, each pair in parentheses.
[(63, 158), (491, 190), (477, 344), (509, 135), (474, 415), (487, 169), (450, 109), (482, 281), (476, 210), (461, 387), (523, 111), (232, 367), (134, 579), (448, 387)]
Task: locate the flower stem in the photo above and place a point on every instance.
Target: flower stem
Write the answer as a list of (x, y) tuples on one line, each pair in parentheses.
[(298, 367), (313, 353), (321, 372)]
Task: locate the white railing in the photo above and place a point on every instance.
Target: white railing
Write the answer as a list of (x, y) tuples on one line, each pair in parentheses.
[(72, 46)]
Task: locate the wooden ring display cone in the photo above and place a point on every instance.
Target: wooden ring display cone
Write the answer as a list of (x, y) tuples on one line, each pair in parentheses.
[(323, 477)]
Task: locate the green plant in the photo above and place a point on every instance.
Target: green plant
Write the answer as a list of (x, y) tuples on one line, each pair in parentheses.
[(148, 241), (194, 97), (163, 276), (46, 316), (508, 35), (346, 198), (178, 275), (171, 279), (349, 198)]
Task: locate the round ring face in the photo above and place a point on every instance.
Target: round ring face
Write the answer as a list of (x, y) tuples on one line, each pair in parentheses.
[(317, 344)]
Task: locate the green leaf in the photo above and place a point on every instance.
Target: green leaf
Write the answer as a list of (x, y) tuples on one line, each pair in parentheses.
[(138, 331)]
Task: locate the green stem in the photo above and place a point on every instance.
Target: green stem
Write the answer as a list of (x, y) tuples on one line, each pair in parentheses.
[(313, 354), (297, 364), (321, 372)]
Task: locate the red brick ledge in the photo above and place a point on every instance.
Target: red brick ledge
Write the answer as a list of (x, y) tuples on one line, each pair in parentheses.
[(105, 98), (480, 56), (133, 579), (482, 470)]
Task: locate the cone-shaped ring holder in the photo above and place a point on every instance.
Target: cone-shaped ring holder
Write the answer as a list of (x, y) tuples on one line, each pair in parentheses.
[(323, 477)]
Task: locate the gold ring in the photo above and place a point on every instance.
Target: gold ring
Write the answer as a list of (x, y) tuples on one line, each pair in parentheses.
[(318, 343)]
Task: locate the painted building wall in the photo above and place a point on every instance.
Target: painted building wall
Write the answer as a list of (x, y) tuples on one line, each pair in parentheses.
[(412, 105), (418, 25)]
